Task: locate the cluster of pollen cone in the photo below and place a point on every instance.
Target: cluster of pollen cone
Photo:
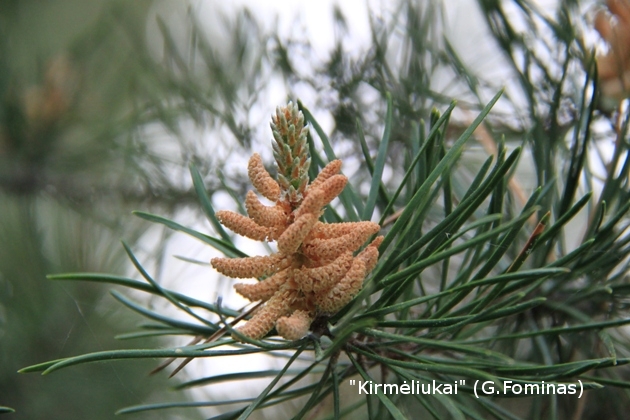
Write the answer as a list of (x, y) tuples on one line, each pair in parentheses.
[(613, 24), (315, 270)]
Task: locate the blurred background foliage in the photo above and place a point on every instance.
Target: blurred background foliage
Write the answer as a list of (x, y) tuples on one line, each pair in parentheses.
[(105, 103)]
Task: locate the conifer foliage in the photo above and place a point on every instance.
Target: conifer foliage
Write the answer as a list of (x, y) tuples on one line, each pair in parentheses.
[(434, 262)]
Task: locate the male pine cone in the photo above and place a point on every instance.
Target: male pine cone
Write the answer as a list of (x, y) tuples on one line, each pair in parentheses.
[(314, 271)]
